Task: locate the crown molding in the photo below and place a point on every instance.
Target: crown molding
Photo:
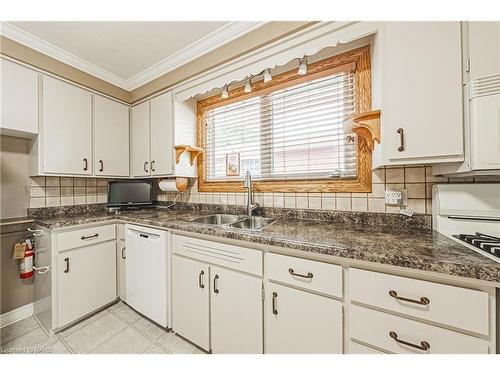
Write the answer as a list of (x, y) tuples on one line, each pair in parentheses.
[(29, 40), (210, 42)]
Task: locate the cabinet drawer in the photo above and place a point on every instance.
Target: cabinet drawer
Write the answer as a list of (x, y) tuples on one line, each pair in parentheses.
[(355, 348), (235, 257), (374, 328), (85, 237), (453, 306), (308, 274)]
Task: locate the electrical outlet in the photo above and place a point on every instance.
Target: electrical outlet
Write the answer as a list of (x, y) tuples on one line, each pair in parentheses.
[(393, 197)]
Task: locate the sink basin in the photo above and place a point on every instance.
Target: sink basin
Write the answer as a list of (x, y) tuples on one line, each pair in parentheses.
[(253, 223), (217, 219)]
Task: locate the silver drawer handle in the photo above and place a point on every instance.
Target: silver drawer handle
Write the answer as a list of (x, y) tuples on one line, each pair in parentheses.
[(123, 253), (83, 238), (216, 284), (308, 276), (275, 310), (401, 147), (200, 280)]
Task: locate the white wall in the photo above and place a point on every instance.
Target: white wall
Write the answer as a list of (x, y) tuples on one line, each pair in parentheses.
[(14, 170)]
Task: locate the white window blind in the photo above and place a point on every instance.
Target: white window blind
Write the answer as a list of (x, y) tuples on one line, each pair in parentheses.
[(291, 133)]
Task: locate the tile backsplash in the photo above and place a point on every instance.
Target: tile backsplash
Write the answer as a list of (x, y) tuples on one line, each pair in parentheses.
[(66, 191), (418, 180)]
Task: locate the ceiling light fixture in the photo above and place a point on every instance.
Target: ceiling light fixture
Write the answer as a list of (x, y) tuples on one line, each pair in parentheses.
[(303, 66), (267, 76), (225, 92), (248, 85)]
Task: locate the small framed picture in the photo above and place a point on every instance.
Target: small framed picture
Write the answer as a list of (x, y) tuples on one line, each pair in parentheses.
[(233, 164)]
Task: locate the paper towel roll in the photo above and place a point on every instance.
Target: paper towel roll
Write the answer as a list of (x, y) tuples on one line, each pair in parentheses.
[(175, 185), (168, 185)]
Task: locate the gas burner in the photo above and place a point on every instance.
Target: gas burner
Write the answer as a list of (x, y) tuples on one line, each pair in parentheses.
[(485, 242)]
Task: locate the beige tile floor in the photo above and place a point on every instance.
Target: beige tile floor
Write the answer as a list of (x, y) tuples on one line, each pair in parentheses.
[(115, 330)]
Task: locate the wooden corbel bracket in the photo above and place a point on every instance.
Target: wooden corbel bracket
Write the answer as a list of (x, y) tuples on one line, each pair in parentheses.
[(365, 125), (193, 150)]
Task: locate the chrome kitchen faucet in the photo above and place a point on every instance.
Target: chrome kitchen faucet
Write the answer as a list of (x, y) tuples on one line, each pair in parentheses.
[(251, 206)]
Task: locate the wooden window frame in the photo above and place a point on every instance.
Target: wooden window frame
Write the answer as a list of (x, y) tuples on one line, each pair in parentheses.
[(360, 59)]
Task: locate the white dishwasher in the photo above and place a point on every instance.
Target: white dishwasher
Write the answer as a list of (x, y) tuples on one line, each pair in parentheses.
[(147, 267)]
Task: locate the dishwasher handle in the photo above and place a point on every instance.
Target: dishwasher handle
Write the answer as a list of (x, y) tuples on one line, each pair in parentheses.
[(143, 234)]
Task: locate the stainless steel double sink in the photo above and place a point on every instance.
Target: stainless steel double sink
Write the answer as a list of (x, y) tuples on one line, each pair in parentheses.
[(252, 223)]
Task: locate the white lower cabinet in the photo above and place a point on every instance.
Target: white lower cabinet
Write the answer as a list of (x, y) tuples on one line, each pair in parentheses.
[(86, 280), (356, 348), (121, 271), (299, 322), (216, 308), (190, 300), (121, 256), (399, 335), (217, 297), (236, 312)]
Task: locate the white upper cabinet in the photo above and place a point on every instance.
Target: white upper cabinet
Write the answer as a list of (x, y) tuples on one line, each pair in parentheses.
[(66, 128), (162, 135), (19, 103), (482, 48), (418, 67), (153, 137), (139, 140), (111, 138)]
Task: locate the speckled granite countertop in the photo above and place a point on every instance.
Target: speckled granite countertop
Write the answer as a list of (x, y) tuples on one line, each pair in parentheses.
[(407, 245)]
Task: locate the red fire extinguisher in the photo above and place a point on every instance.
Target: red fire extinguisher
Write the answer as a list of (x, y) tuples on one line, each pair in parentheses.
[(26, 263)]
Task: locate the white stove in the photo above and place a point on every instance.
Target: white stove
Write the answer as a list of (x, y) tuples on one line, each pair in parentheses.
[(469, 214)]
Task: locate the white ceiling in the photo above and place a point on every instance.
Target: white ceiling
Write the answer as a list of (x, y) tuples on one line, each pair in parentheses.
[(127, 54)]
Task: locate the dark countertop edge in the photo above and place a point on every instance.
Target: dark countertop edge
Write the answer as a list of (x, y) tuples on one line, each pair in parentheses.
[(260, 238), (16, 220)]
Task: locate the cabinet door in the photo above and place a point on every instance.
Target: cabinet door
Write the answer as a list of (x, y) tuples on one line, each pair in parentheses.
[(161, 135), (299, 322), (139, 140), (67, 128), (484, 48), (19, 92), (86, 280), (422, 92), (121, 255), (190, 300), (111, 141), (236, 312)]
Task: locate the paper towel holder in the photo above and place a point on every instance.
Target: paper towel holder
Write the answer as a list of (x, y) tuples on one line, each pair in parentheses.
[(181, 183), (177, 184)]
